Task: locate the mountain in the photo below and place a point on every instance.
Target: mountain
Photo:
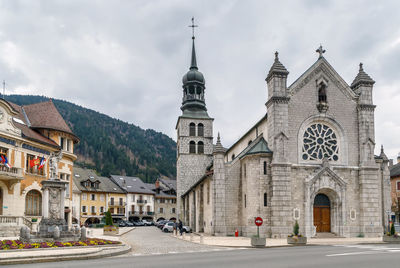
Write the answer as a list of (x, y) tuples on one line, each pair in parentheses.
[(112, 146)]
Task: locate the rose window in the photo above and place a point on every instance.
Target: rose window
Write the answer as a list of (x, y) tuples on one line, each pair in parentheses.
[(320, 141)]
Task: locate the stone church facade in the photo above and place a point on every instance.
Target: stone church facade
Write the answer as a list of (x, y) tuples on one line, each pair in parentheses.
[(309, 159)]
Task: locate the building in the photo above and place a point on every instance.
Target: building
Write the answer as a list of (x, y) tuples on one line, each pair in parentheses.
[(29, 134), (165, 199), (395, 190), (139, 199), (309, 159), (95, 195)]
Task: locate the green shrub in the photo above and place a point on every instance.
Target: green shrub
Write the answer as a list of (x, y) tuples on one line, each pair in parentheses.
[(296, 228), (392, 230), (108, 218)]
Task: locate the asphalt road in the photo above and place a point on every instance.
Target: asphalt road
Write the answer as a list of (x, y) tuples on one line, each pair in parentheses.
[(365, 256)]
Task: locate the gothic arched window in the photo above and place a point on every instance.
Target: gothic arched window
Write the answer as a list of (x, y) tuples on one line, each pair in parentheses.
[(192, 147), (192, 129), (33, 203), (322, 93), (320, 141), (200, 147), (200, 130)]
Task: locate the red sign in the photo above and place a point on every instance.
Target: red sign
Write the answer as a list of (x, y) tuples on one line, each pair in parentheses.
[(258, 221)]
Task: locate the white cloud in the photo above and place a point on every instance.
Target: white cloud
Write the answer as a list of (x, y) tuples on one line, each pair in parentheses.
[(127, 58)]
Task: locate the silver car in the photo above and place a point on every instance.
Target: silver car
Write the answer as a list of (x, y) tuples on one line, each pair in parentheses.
[(168, 227)]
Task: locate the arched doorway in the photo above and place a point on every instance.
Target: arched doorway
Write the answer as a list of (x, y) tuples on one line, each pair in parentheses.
[(322, 213), (33, 203)]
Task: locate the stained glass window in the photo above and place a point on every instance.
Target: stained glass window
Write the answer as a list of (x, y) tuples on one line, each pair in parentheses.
[(320, 141)]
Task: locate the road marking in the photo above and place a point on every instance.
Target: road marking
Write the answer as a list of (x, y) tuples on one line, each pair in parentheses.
[(355, 253), (372, 249)]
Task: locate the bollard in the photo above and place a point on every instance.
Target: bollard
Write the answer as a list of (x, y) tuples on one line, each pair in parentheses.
[(201, 239), (184, 236), (191, 238)]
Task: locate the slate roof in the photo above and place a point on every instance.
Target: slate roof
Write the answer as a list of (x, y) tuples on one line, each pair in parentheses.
[(105, 184), (395, 170), (259, 145), (168, 182), (131, 184)]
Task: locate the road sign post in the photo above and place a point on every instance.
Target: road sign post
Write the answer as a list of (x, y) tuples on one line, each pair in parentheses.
[(258, 221)]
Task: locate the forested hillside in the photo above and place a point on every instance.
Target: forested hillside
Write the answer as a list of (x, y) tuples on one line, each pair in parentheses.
[(112, 146)]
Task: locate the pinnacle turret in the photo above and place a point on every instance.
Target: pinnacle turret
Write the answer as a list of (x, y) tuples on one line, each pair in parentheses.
[(277, 68), (362, 78)]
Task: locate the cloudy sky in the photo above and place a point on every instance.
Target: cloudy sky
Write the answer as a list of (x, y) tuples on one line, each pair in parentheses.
[(126, 58)]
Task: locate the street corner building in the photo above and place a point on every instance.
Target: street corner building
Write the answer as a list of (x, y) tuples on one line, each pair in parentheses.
[(29, 135), (309, 159)]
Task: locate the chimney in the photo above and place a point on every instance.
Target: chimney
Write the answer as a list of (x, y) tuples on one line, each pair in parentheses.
[(157, 184), (398, 158), (390, 163)]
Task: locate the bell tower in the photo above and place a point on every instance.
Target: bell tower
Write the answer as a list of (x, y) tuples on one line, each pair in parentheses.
[(194, 137)]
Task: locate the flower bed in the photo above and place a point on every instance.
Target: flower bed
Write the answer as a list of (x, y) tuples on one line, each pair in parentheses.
[(16, 244)]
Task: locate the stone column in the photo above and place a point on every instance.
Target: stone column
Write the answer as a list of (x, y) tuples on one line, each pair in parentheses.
[(45, 203), (62, 207)]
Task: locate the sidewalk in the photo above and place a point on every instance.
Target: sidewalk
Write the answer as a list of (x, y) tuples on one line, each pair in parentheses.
[(71, 253), (229, 241)]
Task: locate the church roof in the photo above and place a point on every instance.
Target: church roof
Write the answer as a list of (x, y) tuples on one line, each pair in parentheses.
[(277, 68), (258, 146), (362, 78)]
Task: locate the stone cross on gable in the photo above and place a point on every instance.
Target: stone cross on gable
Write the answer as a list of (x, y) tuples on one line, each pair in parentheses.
[(321, 51)]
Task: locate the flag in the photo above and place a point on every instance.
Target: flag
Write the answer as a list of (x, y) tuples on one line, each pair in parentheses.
[(42, 161), (34, 162), (3, 160), (6, 161)]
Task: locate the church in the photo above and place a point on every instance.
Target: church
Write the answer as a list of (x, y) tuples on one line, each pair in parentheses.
[(309, 159)]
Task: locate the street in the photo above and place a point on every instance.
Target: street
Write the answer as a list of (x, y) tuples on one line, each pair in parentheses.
[(152, 248)]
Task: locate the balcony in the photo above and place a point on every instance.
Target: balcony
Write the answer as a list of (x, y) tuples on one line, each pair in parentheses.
[(13, 174), (116, 204), (150, 213), (141, 201)]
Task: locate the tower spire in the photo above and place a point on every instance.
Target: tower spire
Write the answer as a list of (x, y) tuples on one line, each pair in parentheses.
[(193, 63)]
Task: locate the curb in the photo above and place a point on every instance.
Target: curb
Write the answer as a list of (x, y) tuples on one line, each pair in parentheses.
[(67, 257)]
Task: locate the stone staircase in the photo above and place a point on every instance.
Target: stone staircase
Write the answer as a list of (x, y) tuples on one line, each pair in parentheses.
[(326, 235), (11, 225)]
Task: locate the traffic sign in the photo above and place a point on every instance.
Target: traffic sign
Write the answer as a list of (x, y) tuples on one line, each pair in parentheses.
[(258, 221)]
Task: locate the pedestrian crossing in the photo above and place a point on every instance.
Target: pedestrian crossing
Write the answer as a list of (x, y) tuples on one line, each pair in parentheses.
[(366, 250)]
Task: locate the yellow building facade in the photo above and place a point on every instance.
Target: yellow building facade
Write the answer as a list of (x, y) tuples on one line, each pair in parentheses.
[(28, 136)]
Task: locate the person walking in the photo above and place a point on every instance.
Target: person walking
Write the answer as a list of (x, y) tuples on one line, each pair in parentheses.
[(180, 226)]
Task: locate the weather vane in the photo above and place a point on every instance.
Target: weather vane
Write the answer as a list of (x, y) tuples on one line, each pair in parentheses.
[(193, 26)]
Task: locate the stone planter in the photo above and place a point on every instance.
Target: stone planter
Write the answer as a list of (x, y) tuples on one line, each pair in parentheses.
[(297, 241), (258, 241), (110, 230), (391, 239)]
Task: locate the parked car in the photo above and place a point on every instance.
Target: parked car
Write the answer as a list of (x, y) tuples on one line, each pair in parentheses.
[(129, 224), (161, 224), (139, 223), (186, 229), (168, 227), (122, 224), (147, 223)]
